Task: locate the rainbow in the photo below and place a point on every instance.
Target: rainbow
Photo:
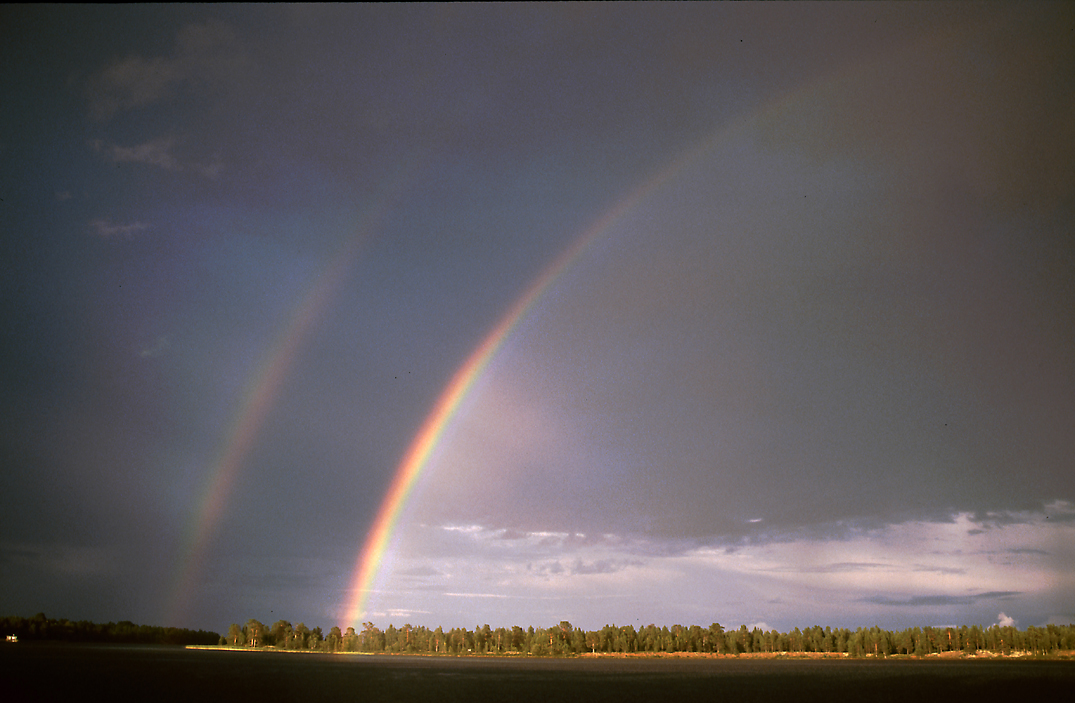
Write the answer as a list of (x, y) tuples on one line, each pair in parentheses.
[(261, 391), (372, 556), (258, 398), (406, 479)]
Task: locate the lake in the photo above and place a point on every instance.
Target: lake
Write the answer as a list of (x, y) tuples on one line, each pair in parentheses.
[(62, 672)]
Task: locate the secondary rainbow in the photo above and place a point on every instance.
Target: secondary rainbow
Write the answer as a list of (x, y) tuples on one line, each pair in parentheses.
[(258, 398)]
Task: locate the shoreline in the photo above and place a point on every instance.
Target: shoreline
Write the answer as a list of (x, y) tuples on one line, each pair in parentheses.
[(1063, 655)]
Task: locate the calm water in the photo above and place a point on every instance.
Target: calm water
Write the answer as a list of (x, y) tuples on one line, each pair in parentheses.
[(50, 672)]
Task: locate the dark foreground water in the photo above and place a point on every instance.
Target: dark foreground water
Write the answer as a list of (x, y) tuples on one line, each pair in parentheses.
[(50, 672)]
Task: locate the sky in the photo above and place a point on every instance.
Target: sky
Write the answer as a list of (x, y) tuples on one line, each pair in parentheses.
[(447, 315)]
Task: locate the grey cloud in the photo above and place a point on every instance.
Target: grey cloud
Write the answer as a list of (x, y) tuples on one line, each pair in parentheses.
[(940, 600), (583, 568), (159, 346), (66, 559), (205, 55), (998, 121), (1060, 511), (107, 229), (602, 566), (1056, 511), (475, 595), (835, 568), (419, 571), (939, 569), (554, 567), (157, 152), (129, 83)]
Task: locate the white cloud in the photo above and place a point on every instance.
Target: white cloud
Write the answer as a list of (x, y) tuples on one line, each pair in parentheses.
[(404, 613)]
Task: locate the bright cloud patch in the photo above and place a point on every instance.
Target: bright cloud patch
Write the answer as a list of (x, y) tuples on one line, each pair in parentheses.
[(919, 572)]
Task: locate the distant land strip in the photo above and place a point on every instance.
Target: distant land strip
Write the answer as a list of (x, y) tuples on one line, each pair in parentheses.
[(563, 639), (41, 628)]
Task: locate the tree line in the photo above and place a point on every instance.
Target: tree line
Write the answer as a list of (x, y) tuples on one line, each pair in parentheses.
[(566, 640), (40, 627)]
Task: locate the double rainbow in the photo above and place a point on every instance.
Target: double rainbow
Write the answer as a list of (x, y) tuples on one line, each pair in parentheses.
[(264, 386)]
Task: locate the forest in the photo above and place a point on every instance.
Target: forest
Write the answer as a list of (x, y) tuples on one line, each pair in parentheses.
[(40, 627), (566, 640)]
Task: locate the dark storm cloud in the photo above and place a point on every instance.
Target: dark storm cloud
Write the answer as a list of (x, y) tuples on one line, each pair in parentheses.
[(827, 354), (854, 317)]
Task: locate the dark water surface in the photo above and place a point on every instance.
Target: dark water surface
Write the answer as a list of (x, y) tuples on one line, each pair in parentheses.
[(53, 672)]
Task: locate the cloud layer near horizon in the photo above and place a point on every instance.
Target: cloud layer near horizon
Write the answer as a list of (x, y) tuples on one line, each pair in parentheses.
[(955, 571)]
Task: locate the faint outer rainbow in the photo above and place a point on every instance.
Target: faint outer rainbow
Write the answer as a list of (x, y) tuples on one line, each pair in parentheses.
[(433, 428), (258, 399)]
